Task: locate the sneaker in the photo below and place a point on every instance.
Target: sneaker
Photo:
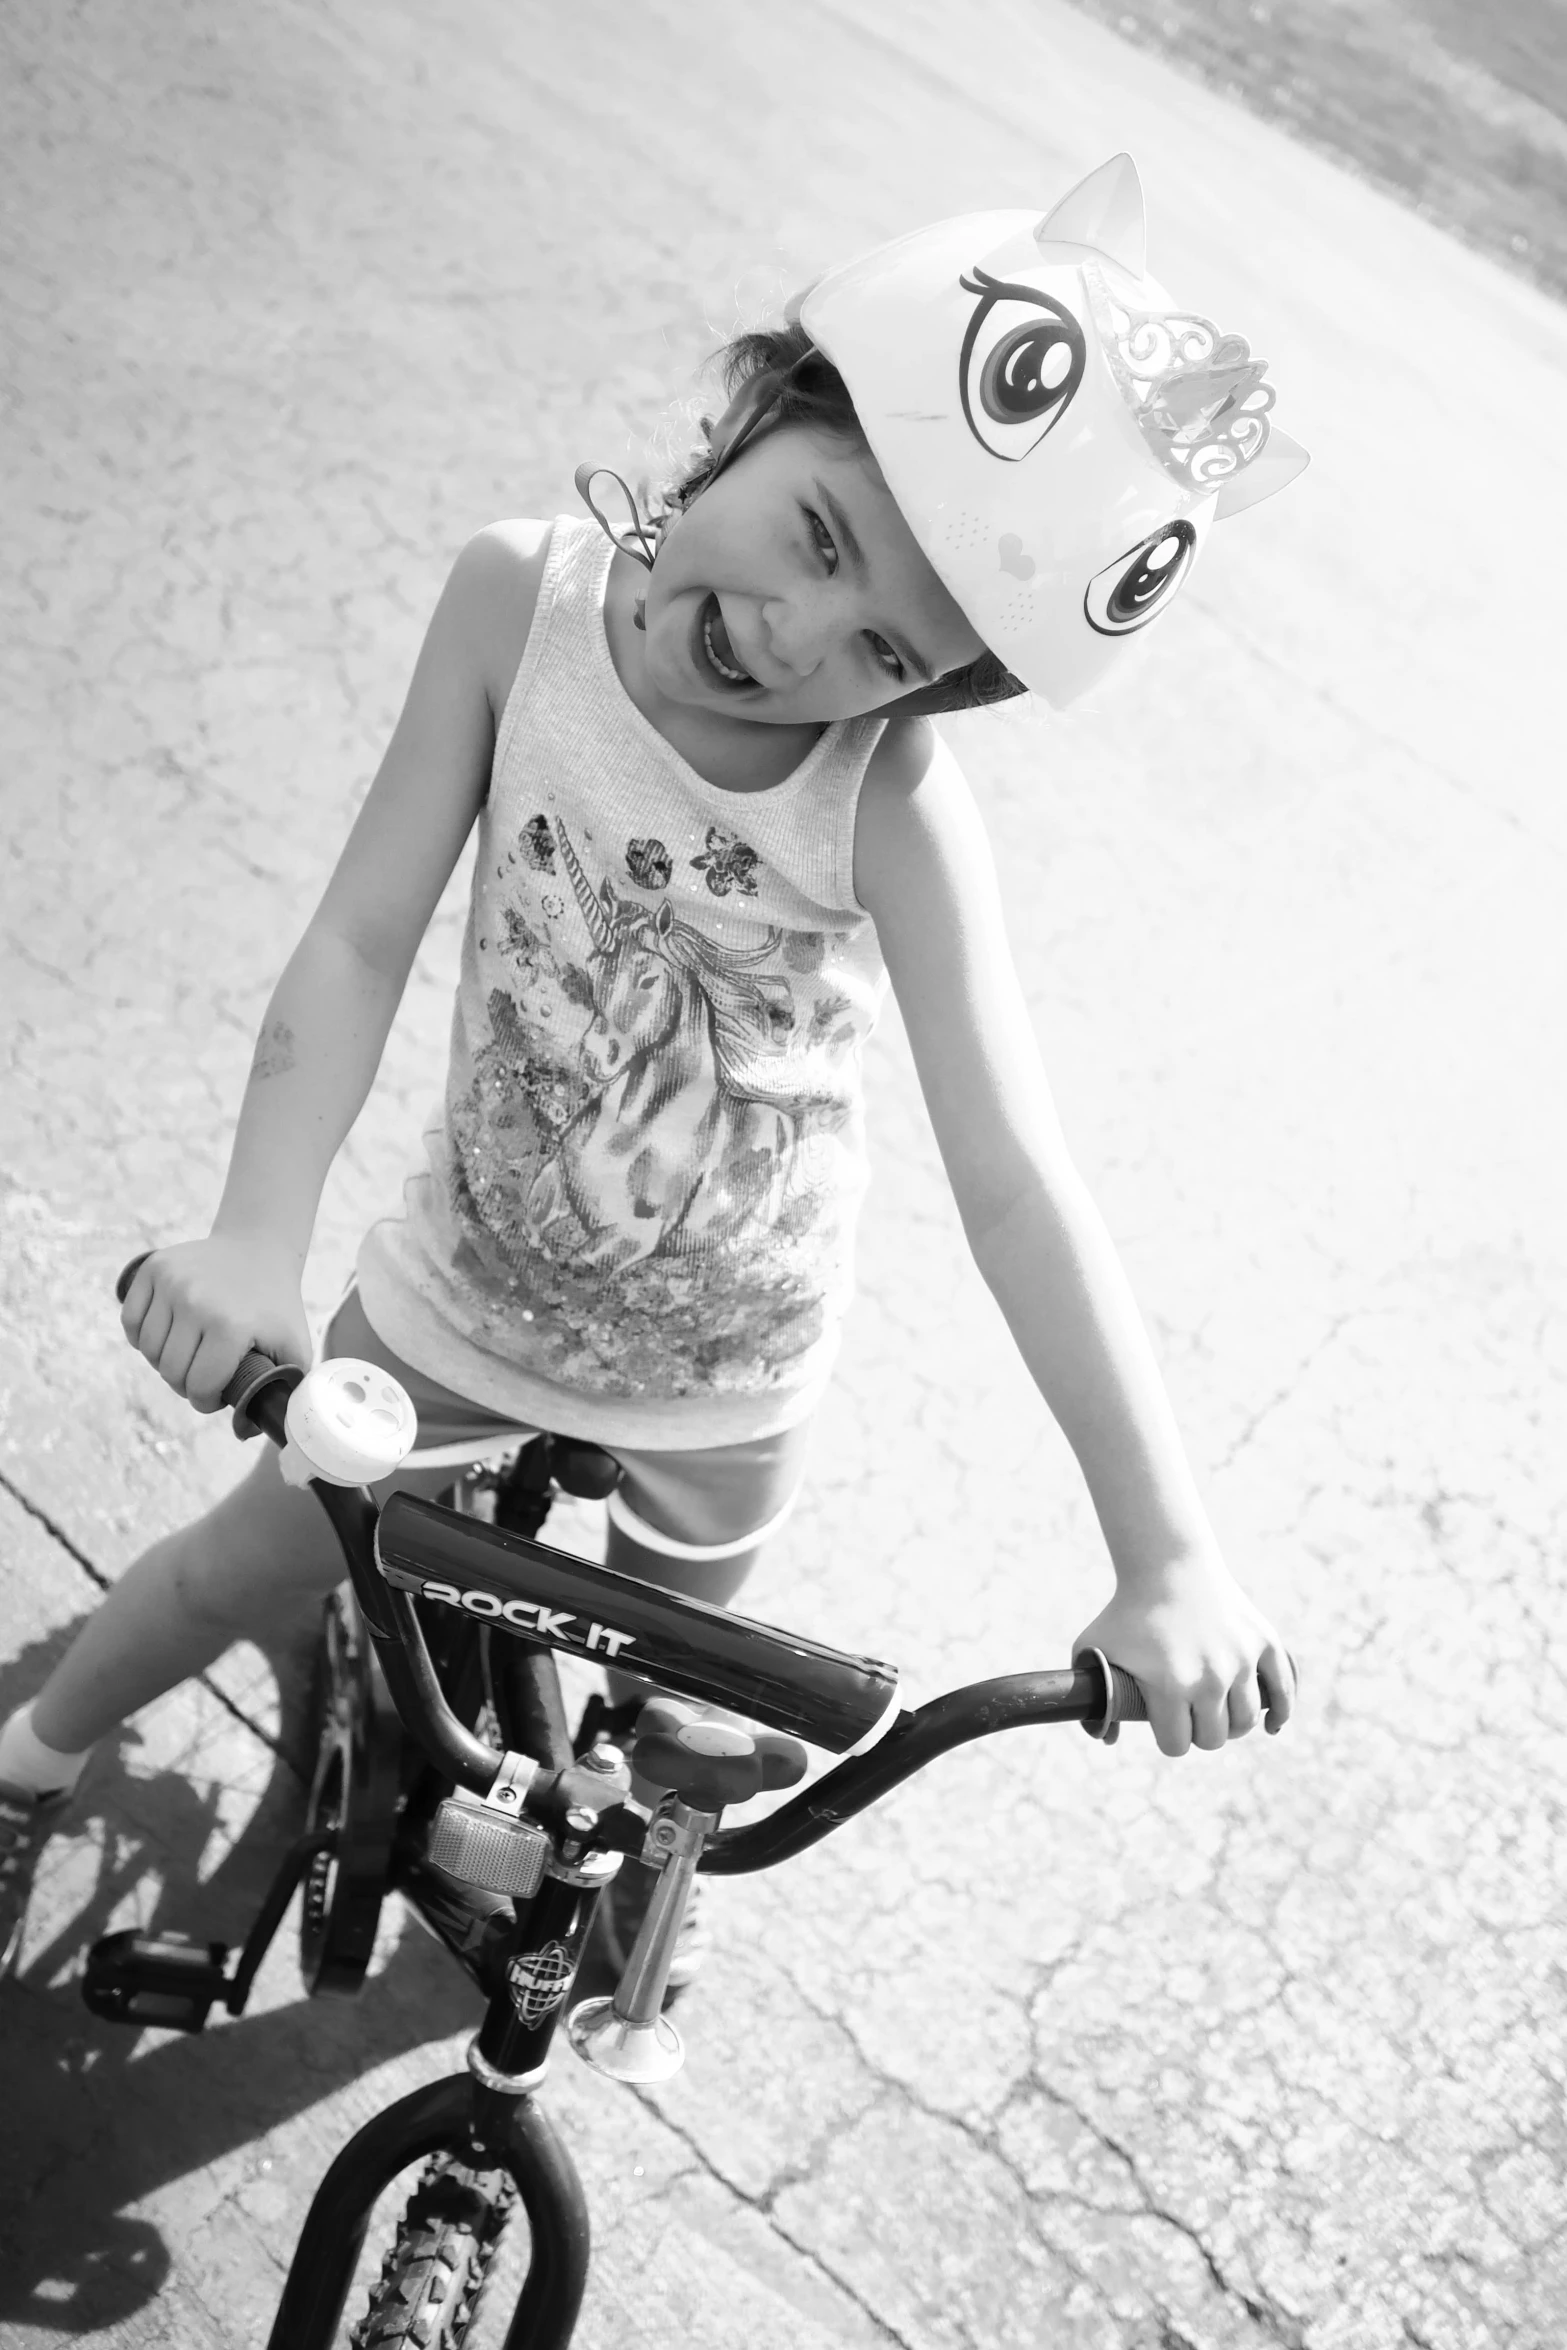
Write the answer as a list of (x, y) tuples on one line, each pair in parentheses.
[(27, 1821), (623, 1906)]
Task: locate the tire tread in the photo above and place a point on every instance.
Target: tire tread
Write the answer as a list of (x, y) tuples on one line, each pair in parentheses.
[(431, 2280)]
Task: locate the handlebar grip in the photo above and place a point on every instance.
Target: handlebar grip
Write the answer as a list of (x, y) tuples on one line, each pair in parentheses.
[(1123, 1698), (254, 1371), (1127, 1702)]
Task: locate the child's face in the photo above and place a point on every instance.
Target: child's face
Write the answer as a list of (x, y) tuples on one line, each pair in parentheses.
[(792, 590)]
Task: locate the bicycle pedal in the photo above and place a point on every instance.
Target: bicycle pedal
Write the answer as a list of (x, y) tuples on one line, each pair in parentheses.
[(136, 1978)]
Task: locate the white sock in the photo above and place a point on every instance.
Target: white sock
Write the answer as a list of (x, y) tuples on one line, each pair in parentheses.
[(27, 1763)]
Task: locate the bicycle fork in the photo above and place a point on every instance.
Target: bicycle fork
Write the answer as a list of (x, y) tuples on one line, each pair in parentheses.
[(486, 2117), (459, 2117)]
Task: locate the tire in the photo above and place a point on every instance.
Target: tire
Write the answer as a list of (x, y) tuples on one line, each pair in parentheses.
[(433, 2277)]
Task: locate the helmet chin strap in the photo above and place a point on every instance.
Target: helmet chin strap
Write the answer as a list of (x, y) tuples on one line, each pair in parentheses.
[(641, 540)]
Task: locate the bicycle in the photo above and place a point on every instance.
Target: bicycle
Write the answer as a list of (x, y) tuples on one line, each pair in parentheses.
[(505, 1849)]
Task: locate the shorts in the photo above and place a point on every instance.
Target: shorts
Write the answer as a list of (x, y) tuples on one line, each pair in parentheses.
[(684, 1508)]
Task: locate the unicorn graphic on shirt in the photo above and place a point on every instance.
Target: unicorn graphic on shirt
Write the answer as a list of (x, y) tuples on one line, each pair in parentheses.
[(688, 1138)]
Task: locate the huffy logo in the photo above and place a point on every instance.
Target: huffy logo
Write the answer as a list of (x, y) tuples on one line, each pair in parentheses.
[(531, 1616), (539, 1980)]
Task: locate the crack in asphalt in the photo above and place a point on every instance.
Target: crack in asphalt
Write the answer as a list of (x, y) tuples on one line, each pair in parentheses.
[(762, 2205), (1283, 1394), (1260, 2307), (1280, 2325), (105, 1583)]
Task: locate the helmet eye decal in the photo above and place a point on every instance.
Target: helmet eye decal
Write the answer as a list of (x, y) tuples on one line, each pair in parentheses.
[(1129, 592), (1022, 359)]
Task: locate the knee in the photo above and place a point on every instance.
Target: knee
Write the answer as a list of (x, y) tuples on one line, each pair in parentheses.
[(263, 1547), (206, 1586), (715, 1577)]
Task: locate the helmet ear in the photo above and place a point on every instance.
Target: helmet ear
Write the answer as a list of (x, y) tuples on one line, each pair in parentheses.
[(1273, 468), (1105, 211)]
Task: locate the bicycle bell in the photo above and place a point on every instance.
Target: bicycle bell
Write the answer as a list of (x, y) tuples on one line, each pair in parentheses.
[(348, 1423)]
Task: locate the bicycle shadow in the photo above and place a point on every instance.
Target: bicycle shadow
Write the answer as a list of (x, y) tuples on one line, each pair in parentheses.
[(97, 2117)]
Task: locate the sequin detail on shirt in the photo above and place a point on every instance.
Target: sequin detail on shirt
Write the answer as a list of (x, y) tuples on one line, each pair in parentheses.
[(646, 1146)]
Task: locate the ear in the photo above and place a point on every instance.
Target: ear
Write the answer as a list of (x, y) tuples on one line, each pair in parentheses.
[(1105, 211), (796, 302), (1274, 469)]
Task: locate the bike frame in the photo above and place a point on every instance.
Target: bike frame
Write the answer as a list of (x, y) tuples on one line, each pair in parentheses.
[(524, 1955)]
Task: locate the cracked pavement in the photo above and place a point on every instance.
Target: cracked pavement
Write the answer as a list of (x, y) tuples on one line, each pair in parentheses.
[(1060, 2046)]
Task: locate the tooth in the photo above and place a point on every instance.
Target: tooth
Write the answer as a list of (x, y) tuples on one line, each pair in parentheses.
[(740, 676)]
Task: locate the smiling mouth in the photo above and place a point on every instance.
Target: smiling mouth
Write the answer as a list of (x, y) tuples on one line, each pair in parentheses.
[(717, 651)]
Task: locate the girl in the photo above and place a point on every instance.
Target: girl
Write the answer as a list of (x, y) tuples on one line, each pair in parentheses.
[(713, 819)]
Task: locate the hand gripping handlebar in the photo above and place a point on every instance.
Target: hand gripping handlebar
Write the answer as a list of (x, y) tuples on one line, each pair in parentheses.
[(344, 1422), (256, 1370)]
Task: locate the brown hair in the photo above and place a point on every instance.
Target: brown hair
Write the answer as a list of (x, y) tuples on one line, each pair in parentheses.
[(794, 384)]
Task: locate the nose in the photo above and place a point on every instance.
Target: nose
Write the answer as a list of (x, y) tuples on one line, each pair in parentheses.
[(798, 632)]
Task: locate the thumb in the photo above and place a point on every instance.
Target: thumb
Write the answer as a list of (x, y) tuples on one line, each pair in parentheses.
[(284, 1334)]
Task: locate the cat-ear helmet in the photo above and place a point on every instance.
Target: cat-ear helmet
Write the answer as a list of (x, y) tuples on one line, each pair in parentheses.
[(1058, 436)]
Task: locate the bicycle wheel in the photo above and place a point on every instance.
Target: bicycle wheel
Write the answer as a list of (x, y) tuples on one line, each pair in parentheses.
[(432, 2279)]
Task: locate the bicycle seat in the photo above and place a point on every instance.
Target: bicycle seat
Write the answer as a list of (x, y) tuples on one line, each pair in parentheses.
[(824, 1695)]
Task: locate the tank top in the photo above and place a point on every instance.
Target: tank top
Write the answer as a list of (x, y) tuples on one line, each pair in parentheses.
[(634, 1220)]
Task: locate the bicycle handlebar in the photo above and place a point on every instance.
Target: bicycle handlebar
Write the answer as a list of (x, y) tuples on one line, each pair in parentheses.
[(1095, 1692)]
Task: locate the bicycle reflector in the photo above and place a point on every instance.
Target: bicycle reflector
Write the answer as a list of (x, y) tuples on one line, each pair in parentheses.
[(498, 1855), (825, 1695)]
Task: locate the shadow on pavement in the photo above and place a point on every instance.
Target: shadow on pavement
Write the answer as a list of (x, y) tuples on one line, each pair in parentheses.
[(95, 2117)]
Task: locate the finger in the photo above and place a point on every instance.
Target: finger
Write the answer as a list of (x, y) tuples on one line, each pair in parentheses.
[(1276, 1674), (154, 1329), (179, 1350), (137, 1299), (212, 1366), (177, 1357), (1170, 1720), (1211, 1720), (1245, 1705)]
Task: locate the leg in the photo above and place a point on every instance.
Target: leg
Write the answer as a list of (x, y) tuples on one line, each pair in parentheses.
[(263, 1549), (186, 1600), (695, 1522)]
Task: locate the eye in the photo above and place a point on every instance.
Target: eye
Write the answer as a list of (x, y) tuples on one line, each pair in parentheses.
[(1022, 360), (886, 658), (1129, 591), (823, 538)]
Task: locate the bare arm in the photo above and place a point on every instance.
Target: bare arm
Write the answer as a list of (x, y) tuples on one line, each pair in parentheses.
[(195, 1308), (924, 871)]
